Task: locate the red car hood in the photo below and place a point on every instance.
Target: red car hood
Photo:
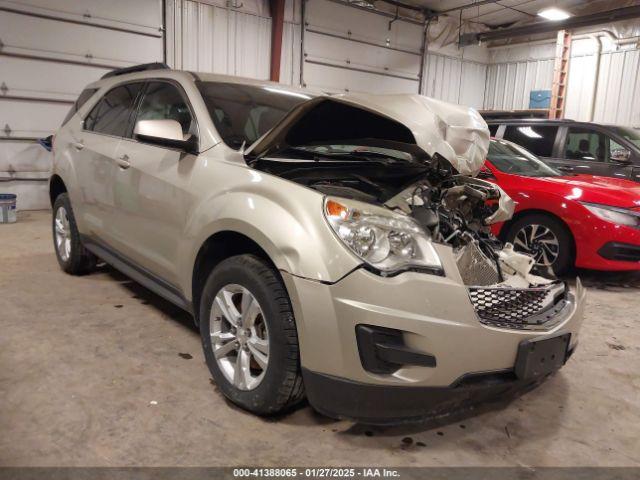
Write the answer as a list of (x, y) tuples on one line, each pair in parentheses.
[(583, 188)]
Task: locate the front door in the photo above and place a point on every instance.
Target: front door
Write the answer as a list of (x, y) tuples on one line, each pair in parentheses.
[(151, 191)]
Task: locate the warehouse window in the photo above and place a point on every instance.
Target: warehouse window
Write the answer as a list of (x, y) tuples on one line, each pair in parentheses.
[(538, 139), (111, 115)]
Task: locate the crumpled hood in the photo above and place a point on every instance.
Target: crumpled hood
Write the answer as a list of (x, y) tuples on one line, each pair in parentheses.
[(457, 133)]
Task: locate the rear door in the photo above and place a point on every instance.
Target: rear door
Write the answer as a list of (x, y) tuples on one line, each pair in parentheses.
[(151, 189), (588, 150), (96, 145)]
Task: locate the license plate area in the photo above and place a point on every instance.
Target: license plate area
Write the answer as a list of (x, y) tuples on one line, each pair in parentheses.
[(537, 358)]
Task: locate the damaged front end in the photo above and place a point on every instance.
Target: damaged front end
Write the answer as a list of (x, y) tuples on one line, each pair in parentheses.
[(398, 176)]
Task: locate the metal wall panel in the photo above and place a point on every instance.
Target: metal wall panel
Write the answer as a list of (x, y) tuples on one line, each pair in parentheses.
[(59, 40), (143, 16), (454, 80), (27, 78), (215, 39), (617, 99), (348, 49), (290, 60), (508, 84)]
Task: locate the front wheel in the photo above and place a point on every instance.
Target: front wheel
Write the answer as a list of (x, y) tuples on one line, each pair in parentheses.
[(249, 336), (546, 239), (71, 254)]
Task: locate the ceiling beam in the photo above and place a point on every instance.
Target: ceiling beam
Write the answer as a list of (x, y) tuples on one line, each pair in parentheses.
[(599, 18)]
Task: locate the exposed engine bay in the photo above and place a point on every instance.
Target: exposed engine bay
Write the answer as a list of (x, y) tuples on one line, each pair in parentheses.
[(455, 210)]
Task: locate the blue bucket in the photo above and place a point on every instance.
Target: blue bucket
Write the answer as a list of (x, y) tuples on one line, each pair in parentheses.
[(7, 208)]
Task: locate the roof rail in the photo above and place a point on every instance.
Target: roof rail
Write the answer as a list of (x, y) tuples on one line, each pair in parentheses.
[(136, 68)]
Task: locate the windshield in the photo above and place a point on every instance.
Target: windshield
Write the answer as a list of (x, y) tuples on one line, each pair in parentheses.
[(630, 134), (243, 113), (511, 158)]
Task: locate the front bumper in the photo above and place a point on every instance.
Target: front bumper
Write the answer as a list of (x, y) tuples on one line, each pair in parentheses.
[(437, 319), (607, 246)]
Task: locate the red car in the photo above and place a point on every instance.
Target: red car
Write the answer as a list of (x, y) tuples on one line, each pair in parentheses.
[(566, 220)]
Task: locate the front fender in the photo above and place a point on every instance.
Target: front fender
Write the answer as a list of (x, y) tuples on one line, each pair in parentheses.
[(285, 219)]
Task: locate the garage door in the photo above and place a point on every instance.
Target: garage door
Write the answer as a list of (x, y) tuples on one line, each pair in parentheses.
[(348, 49), (49, 50)]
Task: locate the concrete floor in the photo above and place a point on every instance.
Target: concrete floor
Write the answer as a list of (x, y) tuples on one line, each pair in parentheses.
[(98, 371)]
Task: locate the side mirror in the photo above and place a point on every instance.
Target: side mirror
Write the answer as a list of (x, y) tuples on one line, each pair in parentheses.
[(486, 174), (621, 155), (166, 133)]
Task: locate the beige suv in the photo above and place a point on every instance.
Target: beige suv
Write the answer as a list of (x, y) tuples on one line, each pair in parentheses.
[(333, 247)]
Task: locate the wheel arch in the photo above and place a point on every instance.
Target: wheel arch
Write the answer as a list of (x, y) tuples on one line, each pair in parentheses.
[(216, 248), (56, 188), (534, 211)]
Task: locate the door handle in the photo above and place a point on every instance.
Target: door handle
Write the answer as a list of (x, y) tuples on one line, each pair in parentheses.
[(123, 161), (565, 168), (77, 145)]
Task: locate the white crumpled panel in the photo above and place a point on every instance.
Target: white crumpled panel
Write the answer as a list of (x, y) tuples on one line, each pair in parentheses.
[(456, 132)]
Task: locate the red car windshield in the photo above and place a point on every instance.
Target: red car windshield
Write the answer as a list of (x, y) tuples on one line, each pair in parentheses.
[(511, 158)]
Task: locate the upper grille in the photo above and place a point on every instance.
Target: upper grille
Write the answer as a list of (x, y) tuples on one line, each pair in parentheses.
[(521, 308)]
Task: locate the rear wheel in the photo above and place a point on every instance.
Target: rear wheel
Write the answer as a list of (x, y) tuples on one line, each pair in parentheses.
[(546, 239), (249, 336), (71, 254)]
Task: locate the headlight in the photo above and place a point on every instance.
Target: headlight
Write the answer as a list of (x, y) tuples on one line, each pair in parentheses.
[(620, 216), (385, 240)]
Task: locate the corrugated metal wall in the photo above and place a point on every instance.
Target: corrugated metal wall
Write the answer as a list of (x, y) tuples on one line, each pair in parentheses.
[(616, 99), (514, 72), (454, 80), (212, 38)]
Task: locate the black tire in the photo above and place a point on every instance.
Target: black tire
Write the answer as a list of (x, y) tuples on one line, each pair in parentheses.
[(79, 261), (565, 258), (281, 386)]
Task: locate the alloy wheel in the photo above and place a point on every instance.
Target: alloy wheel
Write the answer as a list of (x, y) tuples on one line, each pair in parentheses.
[(540, 242), (239, 336), (63, 234)]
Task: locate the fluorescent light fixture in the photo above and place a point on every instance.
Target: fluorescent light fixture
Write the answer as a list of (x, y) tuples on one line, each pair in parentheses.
[(553, 14)]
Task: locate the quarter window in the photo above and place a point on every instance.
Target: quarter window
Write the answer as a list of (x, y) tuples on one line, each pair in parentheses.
[(538, 139), (86, 94), (163, 101), (584, 144), (112, 114)]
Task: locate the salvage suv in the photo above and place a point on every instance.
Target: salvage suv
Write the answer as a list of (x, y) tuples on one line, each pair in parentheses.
[(333, 247)]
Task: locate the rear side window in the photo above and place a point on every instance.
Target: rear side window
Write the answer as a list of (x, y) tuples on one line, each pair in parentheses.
[(538, 139), (86, 94), (111, 115)]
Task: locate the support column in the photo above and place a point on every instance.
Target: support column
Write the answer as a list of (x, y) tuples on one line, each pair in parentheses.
[(277, 25)]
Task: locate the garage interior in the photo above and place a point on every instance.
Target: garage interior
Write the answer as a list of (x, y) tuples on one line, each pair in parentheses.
[(99, 371)]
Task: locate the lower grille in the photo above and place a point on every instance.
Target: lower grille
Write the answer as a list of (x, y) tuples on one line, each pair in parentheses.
[(521, 308)]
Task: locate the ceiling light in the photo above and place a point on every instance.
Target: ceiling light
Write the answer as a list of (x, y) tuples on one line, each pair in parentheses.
[(553, 14)]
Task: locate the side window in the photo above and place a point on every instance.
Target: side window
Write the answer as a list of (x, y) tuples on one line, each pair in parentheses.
[(111, 115), (86, 94), (163, 101), (538, 139), (493, 129), (585, 144)]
